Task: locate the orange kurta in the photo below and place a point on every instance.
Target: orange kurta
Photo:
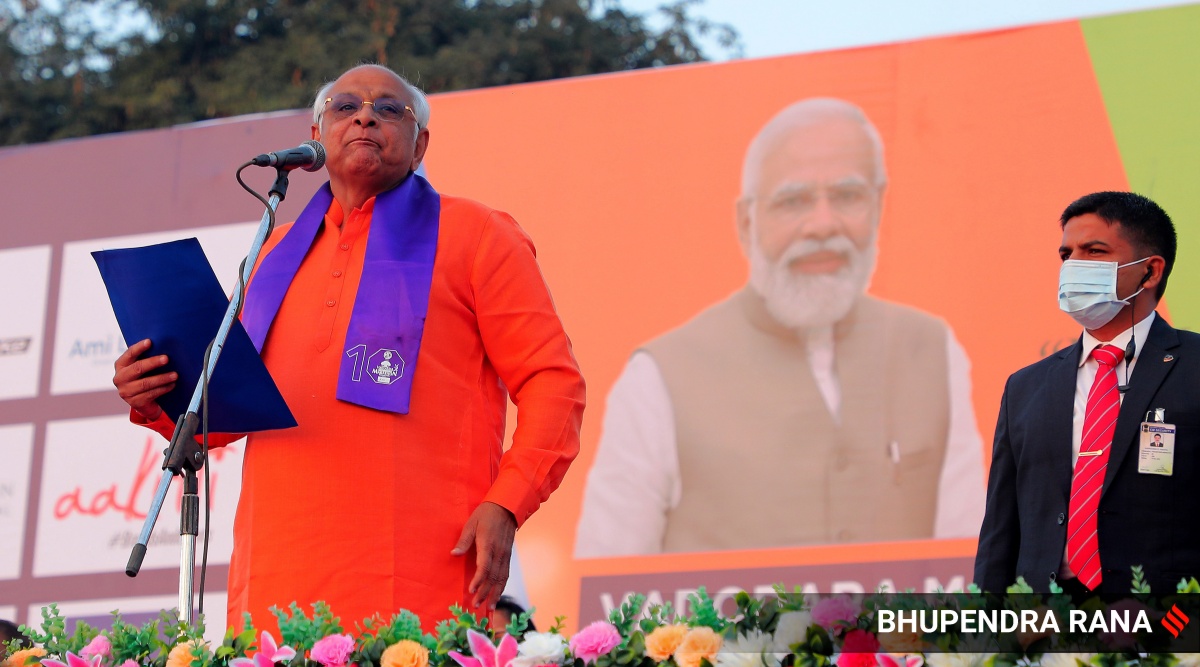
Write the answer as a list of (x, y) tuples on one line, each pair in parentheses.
[(361, 508)]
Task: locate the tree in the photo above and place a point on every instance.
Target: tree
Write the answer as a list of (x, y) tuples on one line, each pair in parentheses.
[(76, 70)]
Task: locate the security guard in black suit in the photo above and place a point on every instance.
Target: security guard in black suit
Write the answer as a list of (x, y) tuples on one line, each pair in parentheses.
[(1118, 249)]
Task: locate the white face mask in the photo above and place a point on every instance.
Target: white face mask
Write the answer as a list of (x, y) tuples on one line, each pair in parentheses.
[(1087, 291)]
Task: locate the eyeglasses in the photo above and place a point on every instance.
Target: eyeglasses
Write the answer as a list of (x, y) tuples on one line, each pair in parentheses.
[(345, 105), (798, 202)]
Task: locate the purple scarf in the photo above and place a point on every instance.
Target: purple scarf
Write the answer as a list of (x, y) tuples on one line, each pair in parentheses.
[(384, 335)]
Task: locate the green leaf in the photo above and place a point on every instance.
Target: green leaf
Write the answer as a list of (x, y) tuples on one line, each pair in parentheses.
[(1021, 587), (625, 617), (704, 611), (518, 625), (1139, 581)]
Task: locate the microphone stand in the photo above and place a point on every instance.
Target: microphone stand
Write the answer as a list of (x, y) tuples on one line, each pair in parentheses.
[(183, 457)]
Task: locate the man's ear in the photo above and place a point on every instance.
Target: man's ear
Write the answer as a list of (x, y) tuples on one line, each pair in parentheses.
[(1155, 266), (419, 150), (743, 206), (316, 132)]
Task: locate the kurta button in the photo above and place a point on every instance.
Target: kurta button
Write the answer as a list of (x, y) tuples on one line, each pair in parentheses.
[(337, 274), (330, 303), (1061, 518), (345, 246)]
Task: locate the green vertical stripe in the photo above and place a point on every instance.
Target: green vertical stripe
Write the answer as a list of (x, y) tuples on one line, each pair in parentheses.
[(1148, 67)]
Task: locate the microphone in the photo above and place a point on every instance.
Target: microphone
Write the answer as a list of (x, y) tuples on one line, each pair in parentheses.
[(309, 156)]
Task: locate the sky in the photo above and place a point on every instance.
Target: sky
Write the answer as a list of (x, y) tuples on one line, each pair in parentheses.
[(778, 27)]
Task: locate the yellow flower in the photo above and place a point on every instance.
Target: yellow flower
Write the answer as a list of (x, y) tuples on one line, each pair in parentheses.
[(21, 658), (405, 653), (663, 641), (697, 644), (181, 655)]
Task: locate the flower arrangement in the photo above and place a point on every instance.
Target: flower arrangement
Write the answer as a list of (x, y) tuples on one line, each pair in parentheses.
[(790, 629)]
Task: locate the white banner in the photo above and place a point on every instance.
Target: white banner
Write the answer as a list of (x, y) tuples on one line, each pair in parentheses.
[(24, 278), (87, 339), (105, 472), (16, 446)]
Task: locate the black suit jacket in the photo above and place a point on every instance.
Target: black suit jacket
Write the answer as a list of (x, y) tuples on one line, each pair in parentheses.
[(1147, 520)]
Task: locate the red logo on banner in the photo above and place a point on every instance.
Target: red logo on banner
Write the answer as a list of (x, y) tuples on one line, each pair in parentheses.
[(1175, 621), (120, 500)]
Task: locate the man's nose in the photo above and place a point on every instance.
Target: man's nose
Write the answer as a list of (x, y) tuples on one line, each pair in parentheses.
[(824, 221), (366, 116)]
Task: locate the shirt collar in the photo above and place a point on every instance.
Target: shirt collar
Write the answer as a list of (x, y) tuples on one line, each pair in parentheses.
[(333, 217), (1121, 340)]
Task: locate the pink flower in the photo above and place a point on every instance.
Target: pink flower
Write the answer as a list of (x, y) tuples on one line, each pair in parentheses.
[(899, 660), (860, 641), (829, 611), (333, 651), (268, 653), (99, 646), (486, 654), (594, 641), (858, 650), (856, 660), (73, 661)]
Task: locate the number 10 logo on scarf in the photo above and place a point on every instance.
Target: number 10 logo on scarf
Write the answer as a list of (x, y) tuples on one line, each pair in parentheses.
[(384, 366)]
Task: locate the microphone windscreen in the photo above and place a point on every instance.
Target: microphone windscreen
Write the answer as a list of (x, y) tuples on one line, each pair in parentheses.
[(320, 151)]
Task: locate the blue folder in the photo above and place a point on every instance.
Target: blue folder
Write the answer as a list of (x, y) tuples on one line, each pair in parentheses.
[(169, 294)]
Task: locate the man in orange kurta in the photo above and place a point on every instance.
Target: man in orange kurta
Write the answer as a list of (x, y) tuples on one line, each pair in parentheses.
[(374, 511)]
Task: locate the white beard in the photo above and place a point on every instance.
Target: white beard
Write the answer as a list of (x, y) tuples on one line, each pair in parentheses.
[(804, 301)]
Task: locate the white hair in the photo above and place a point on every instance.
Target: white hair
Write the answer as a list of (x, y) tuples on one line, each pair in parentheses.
[(808, 112), (420, 104)]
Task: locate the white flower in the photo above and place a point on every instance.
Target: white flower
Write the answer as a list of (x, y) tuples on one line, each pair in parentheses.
[(1188, 659), (541, 648), (755, 649), (792, 628), (958, 659), (725, 659), (1066, 659)]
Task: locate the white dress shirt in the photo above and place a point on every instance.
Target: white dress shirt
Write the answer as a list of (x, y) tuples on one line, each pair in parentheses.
[(1089, 366), (635, 482), (1083, 385)]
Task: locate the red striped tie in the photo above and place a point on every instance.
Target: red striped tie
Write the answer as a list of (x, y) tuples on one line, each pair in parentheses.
[(1099, 422)]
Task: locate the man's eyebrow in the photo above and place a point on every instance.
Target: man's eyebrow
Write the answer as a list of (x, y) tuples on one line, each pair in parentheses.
[(790, 188), (1086, 245), (853, 179)]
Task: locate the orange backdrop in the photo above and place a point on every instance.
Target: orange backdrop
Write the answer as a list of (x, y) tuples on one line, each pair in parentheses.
[(627, 184)]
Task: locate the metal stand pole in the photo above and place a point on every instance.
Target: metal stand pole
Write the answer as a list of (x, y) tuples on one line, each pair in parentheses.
[(189, 528), (183, 457)]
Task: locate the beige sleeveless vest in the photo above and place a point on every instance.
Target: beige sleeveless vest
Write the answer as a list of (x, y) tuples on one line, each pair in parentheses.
[(762, 462)]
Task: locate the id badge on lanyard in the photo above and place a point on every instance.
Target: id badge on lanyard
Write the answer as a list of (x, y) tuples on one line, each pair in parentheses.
[(1156, 445)]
